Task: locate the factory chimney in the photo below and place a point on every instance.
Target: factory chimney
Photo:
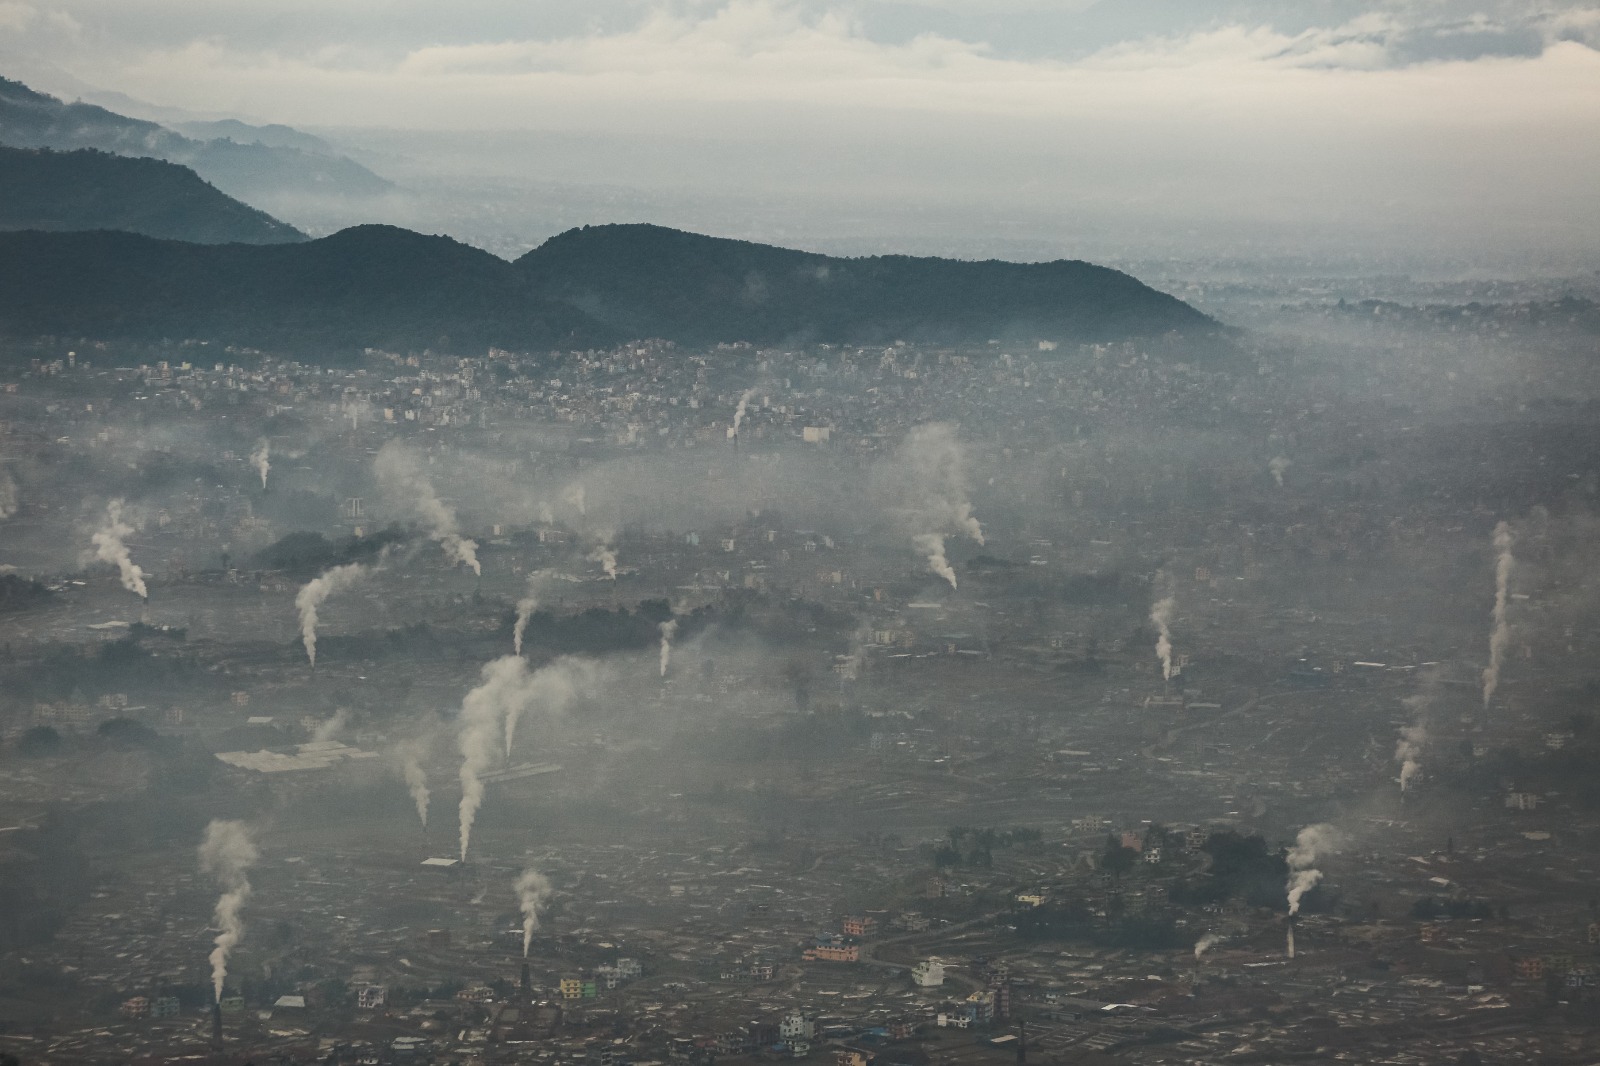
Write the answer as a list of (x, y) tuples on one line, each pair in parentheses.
[(526, 983), (216, 1024)]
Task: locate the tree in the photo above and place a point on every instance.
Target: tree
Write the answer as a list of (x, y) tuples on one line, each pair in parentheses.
[(1117, 859), (40, 740)]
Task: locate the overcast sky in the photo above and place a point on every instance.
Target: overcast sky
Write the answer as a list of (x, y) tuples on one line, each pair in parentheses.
[(1459, 125)]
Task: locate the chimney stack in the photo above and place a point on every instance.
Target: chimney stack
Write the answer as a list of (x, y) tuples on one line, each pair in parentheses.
[(527, 982), (216, 1024)]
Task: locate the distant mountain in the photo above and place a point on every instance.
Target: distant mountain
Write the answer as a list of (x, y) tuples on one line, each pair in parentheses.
[(651, 281), (272, 135), (88, 190), (249, 171), (378, 286), (369, 286)]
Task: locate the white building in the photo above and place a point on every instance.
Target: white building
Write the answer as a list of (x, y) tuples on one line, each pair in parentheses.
[(928, 974)]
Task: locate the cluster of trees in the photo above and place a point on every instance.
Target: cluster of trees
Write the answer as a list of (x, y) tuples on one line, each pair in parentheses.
[(307, 554), (967, 846), (20, 593), (1075, 920)]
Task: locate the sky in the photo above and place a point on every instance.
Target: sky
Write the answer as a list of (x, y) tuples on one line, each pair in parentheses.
[(1459, 130)]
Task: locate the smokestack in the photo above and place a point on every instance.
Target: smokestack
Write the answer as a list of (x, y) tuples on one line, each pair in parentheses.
[(1290, 945), (216, 1024), (526, 984)]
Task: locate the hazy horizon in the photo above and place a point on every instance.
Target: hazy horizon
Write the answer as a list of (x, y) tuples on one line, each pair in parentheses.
[(1401, 135)]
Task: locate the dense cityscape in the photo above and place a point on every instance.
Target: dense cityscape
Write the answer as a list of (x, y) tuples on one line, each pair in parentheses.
[(1146, 702)]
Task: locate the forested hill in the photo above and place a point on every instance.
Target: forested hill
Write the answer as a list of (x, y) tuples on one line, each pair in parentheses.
[(653, 281), (88, 190), (379, 286)]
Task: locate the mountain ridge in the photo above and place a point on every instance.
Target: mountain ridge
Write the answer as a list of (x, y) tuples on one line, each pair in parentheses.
[(387, 287), (246, 171), (88, 189), (695, 288)]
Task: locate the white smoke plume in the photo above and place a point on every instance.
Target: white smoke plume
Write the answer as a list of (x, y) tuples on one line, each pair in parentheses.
[(259, 459), (1500, 635), (309, 600), (1408, 753), (411, 753), (1279, 465), (931, 545), (1310, 845), (1414, 738), (551, 688), (668, 628), (405, 480), (525, 608), (930, 467), (483, 714), (1205, 944), (109, 548), (603, 553), (533, 888), (738, 412), (227, 854), (578, 498), (332, 727), (1161, 618), (490, 712), (8, 495)]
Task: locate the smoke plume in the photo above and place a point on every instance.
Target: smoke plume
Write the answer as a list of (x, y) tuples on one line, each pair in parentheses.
[(738, 412), (403, 479), (1161, 618), (533, 888), (1312, 842), (109, 548), (931, 545), (1205, 944), (578, 498), (490, 713), (332, 727), (483, 714), (551, 688), (1500, 635), (1408, 753), (930, 468), (416, 783), (1278, 465), (226, 854), (259, 460), (603, 553), (525, 608), (309, 600), (668, 628)]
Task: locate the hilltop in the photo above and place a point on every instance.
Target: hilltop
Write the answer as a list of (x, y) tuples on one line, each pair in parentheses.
[(653, 281)]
